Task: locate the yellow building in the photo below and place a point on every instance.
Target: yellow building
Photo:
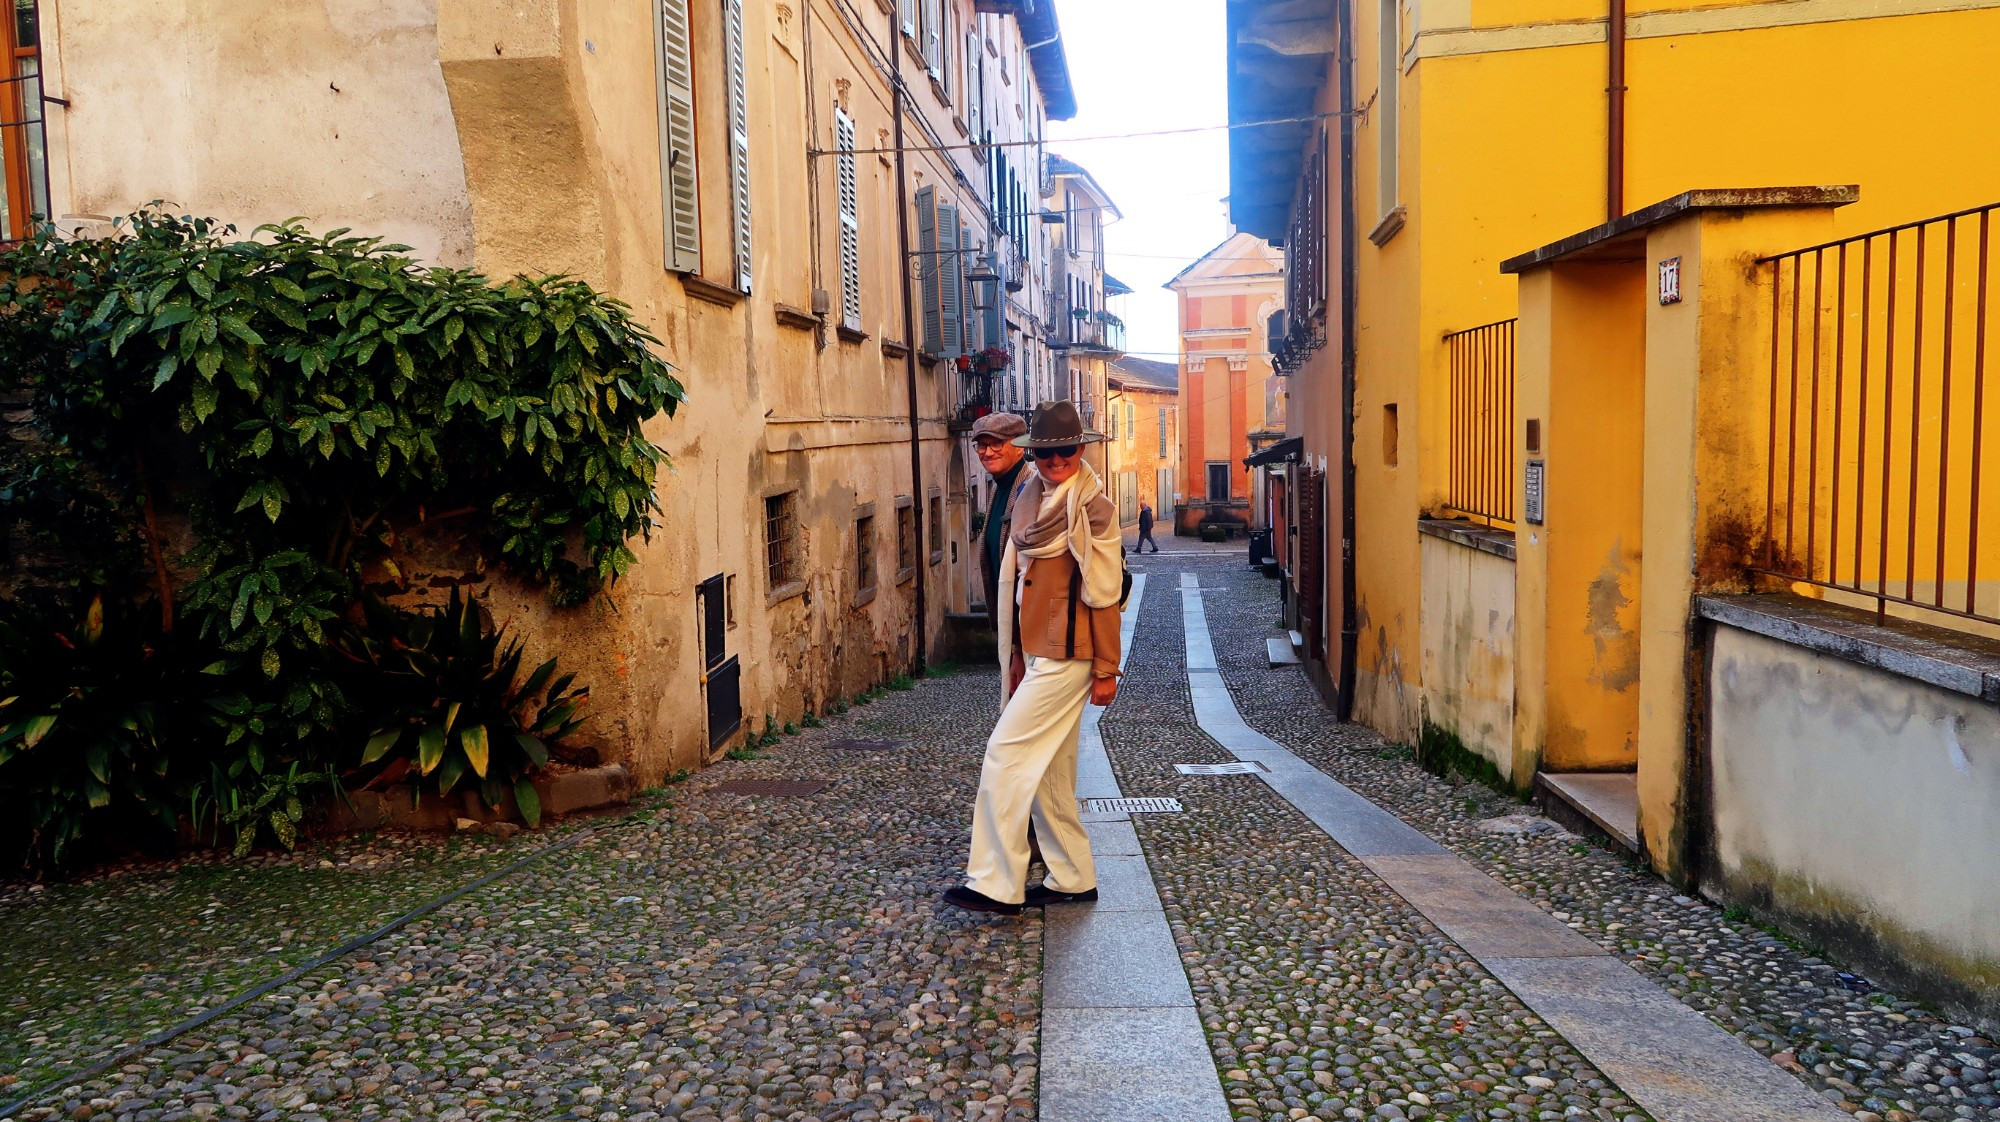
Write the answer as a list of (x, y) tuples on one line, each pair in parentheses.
[(1143, 445), (729, 169), (1229, 391), (1581, 454)]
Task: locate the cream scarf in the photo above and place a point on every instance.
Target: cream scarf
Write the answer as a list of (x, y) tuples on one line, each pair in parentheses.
[(1061, 521)]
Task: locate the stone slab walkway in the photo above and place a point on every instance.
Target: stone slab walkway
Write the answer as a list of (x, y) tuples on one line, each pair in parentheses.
[(1120, 1036), (1676, 1063), (1865, 1050)]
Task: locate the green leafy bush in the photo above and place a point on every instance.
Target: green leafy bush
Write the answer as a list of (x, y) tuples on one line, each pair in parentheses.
[(234, 434), (448, 706), (81, 713)]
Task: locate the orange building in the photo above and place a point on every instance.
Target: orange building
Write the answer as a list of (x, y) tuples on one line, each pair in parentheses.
[(1228, 391), (1142, 446)]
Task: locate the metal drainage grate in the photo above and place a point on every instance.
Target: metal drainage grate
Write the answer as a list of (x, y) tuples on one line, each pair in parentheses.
[(866, 745), (1238, 767), (1129, 806), (778, 788)]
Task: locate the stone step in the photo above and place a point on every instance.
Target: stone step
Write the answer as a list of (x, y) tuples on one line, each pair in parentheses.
[(1598, 802), (1281, 652)]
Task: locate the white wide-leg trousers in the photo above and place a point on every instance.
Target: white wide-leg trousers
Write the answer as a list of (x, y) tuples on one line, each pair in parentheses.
[(1030, 771)]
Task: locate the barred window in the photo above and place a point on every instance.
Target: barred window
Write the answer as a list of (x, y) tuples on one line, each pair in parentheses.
[(906, 538), (864, 553), (781, 530)]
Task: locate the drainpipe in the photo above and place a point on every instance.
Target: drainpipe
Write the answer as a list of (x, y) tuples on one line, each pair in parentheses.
[(1614, 148), (917, 499), (1349, 632)]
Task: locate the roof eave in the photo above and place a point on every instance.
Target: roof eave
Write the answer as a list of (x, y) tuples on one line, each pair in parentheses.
[(1041, 31), (1278, 52)]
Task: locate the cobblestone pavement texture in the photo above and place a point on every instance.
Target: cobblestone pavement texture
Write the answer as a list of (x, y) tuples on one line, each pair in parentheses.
[(717, 957), (105, 960), (1874, 1054), (1324, 994)]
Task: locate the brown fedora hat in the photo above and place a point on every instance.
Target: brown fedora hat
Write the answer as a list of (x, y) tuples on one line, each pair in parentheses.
[(1054, 425)]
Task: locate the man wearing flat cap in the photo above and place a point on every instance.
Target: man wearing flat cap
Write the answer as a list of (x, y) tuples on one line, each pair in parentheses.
[(1062, 573), (993, 439)]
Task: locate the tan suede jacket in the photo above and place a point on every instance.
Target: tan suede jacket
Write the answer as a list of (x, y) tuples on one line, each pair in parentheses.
[(1041, 626)]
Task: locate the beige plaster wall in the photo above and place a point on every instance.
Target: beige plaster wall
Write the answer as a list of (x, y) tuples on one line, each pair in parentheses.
[(1468, 648), (1862, 806), (522, 135), (333, 110)]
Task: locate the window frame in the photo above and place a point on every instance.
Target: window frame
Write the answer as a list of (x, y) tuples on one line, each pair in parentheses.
[(1208, 481), (935, 523), (24, 142), (792, 547), (867, 574), (1388, 106), (906, 539)]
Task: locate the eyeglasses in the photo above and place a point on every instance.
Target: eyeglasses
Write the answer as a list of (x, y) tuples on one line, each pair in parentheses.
[(1066, 451)]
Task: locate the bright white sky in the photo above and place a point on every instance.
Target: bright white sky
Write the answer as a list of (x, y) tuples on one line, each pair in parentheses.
[(1138, 66)]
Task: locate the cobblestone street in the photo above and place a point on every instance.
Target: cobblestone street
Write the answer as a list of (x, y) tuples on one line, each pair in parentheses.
[(719, 956)]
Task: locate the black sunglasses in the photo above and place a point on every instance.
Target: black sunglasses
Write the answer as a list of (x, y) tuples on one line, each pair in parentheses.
[(1066, 451)]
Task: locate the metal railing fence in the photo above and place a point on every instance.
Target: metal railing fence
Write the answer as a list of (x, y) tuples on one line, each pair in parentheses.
[(1878, 476), (1481, 477)]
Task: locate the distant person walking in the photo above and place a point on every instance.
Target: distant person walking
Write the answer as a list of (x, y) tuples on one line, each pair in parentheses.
[(1146, 528), (1061, 578)]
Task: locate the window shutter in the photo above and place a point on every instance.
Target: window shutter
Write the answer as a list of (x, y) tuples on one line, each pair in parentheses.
[(968, 318), (927, 270), (739, 139), (973, 94), (907, 10), (850, 223), (996, 315), (934, 36), (1163, 430), (681, 203), (951, 283)]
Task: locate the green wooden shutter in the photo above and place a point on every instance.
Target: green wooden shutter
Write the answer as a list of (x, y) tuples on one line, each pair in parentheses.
[(928, 272), (951, 283), (968, 305), (680, 200)]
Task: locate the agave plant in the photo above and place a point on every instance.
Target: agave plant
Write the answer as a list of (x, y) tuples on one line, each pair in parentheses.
[(79, 722), (444, 699)]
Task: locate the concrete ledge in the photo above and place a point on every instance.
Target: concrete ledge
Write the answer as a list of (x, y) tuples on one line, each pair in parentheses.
[(567, 792), (1472, 535), (1666, 210), (1937, 656)]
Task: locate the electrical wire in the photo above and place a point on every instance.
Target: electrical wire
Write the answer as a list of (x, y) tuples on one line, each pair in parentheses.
[(1079, 139)]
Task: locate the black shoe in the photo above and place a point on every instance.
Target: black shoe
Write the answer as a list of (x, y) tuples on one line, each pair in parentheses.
[(1041, 896), (971, 901)]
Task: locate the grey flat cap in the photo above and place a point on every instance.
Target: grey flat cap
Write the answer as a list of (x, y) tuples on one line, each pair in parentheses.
[(1000, 426)]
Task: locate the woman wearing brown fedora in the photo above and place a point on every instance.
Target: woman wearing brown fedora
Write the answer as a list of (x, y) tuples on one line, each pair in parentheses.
[(1059, 647)]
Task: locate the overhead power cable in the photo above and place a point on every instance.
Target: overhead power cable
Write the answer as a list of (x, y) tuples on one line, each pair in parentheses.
[(967, 147)]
